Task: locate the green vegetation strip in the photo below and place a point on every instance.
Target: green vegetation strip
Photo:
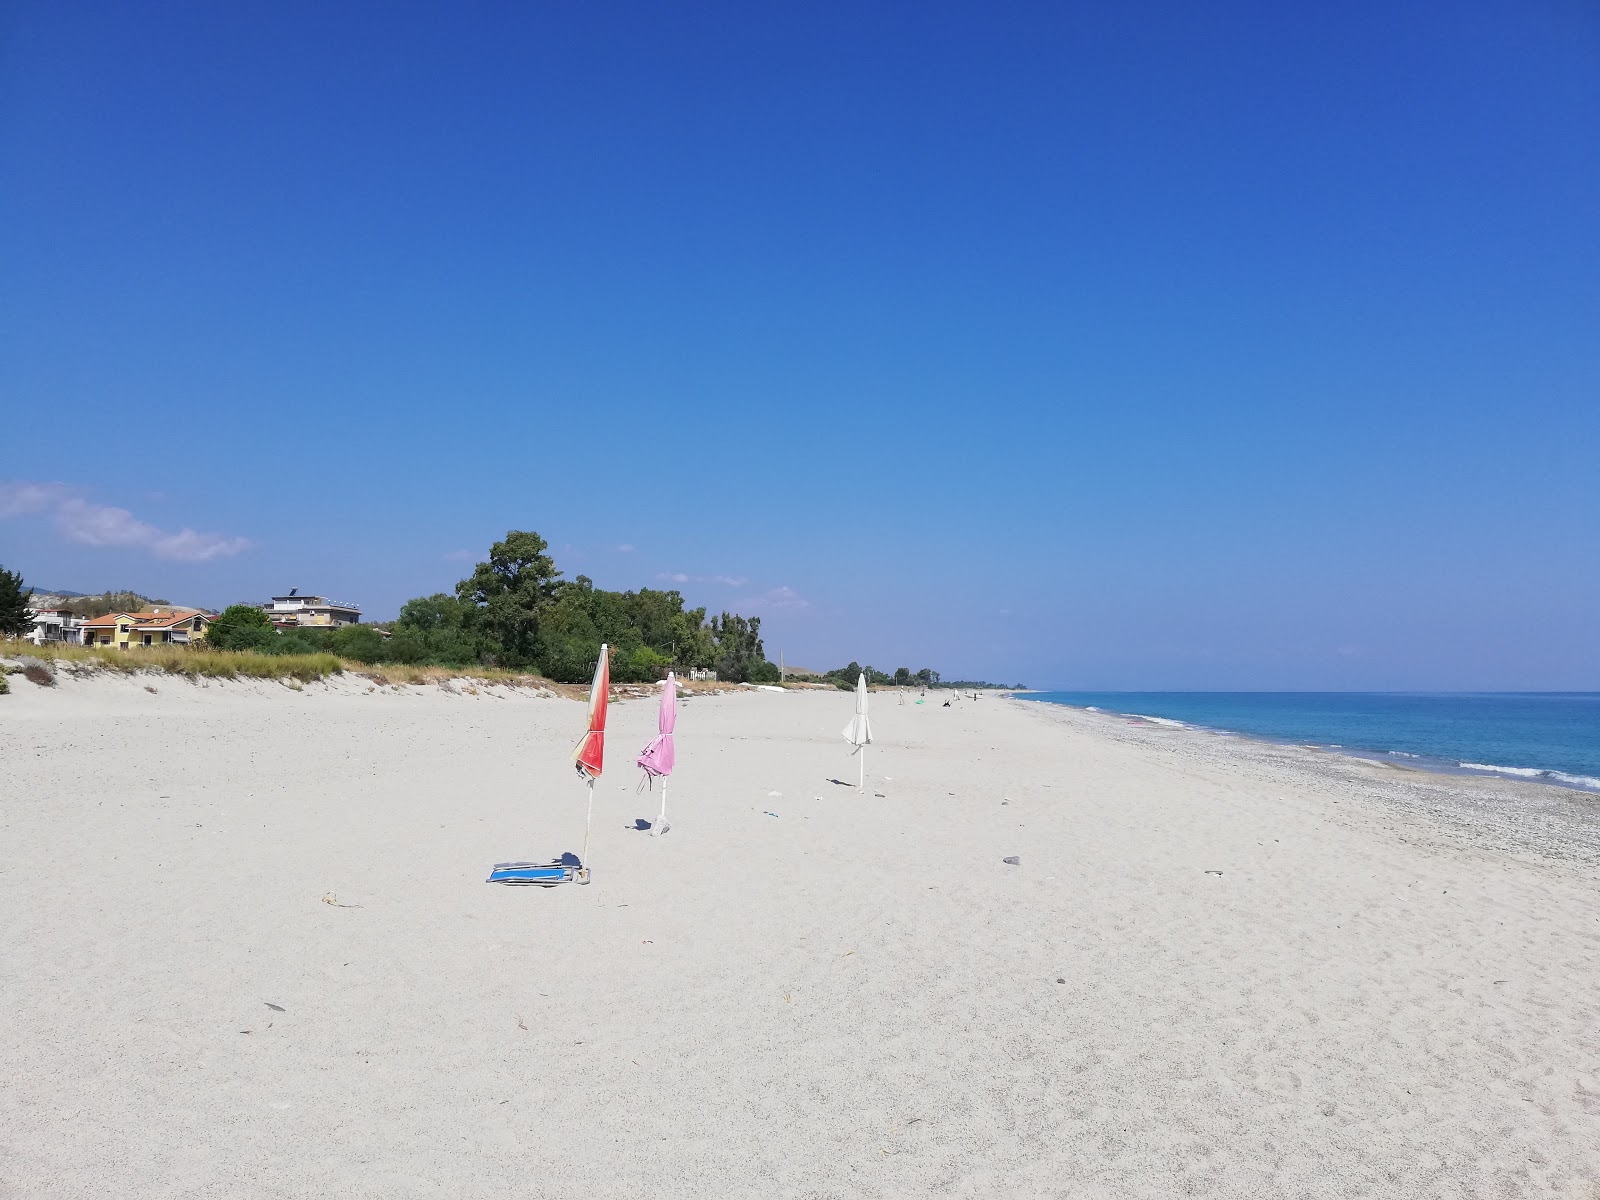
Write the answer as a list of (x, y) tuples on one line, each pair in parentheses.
[(180, 660)]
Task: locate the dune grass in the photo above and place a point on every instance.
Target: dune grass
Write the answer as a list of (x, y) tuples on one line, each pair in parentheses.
[(40, 674), (228, 664), (398, 673), (181, 660)]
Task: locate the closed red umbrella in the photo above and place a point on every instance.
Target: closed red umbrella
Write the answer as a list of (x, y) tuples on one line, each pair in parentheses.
[(590, 754)]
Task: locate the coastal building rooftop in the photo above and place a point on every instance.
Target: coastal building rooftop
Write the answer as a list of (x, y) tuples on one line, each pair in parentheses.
[(294, 610)]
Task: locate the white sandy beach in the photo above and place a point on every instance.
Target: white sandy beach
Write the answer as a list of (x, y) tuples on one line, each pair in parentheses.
[(1392, 988)]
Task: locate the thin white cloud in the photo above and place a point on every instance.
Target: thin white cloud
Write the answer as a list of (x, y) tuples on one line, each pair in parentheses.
[(680, 577), (104, 525), (779, 598), (19, 498), (626, 548)]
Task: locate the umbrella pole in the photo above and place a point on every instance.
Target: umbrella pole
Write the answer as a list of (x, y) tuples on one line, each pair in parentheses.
[(661, 821), (863, 786), (587, 825)]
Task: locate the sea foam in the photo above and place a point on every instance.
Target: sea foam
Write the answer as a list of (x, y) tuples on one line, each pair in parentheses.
[(1578, 781), (1550, 738)]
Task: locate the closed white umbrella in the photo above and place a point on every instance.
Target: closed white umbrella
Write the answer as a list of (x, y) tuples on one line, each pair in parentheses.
[(859, 732)]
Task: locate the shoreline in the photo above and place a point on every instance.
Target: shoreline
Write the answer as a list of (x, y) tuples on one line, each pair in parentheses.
[(1491, 812), (1432, 763)]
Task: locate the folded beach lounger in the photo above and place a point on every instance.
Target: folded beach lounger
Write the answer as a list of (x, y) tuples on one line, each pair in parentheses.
[(537, 874)]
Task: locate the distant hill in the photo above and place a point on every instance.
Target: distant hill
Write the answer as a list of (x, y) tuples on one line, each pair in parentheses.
[(98, 604), (55, 593)]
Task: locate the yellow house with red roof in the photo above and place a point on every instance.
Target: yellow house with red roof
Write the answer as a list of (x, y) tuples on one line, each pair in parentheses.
[(123, 630)]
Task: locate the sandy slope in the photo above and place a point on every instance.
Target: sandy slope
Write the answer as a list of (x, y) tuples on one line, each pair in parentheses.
[(1392, 989)]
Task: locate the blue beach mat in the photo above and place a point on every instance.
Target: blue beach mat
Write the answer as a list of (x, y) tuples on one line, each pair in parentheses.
[(539, 874)]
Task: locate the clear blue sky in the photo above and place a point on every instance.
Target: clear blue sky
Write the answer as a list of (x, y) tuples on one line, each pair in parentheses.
[(1123, 346)]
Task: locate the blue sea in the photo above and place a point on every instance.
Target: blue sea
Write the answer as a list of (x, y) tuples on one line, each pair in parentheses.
[(1553, 737)]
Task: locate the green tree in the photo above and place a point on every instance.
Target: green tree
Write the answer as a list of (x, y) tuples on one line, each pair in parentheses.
[(511, 592), (362, 643), (845, 677), (435, 629), (902, 677), (515, 609), (569, 641), (16, 616), (294, 641), (241, 627), (690, 643), (644, 665), (432, 614), (738, 646), (762, 671)]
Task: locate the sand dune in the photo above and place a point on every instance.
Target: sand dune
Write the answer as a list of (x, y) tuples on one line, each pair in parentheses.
[(1391, 987)]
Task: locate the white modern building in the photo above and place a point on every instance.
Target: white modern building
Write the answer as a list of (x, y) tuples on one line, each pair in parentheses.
[(315, 612), (55, 625)]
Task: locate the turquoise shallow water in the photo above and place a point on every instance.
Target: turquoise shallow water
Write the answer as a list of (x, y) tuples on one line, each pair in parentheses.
[(1548, 736)]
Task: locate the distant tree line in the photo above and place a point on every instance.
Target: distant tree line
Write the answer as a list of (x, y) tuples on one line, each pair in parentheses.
[(845, 677), (516, 611)]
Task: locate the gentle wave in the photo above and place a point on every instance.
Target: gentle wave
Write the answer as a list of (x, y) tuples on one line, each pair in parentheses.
[(1582, 781), (1457, 734)]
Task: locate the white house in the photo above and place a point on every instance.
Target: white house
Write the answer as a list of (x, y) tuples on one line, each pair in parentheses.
[(317, 612), (54, 625)]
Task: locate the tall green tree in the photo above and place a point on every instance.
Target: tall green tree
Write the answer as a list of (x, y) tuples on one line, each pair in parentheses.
[(569, 637), (435, 629), (511, 592), (515, 609), (241, 627), (16, 616), (738, 646)]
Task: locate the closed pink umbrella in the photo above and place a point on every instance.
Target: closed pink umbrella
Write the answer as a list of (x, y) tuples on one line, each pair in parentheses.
[(660, 756)]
